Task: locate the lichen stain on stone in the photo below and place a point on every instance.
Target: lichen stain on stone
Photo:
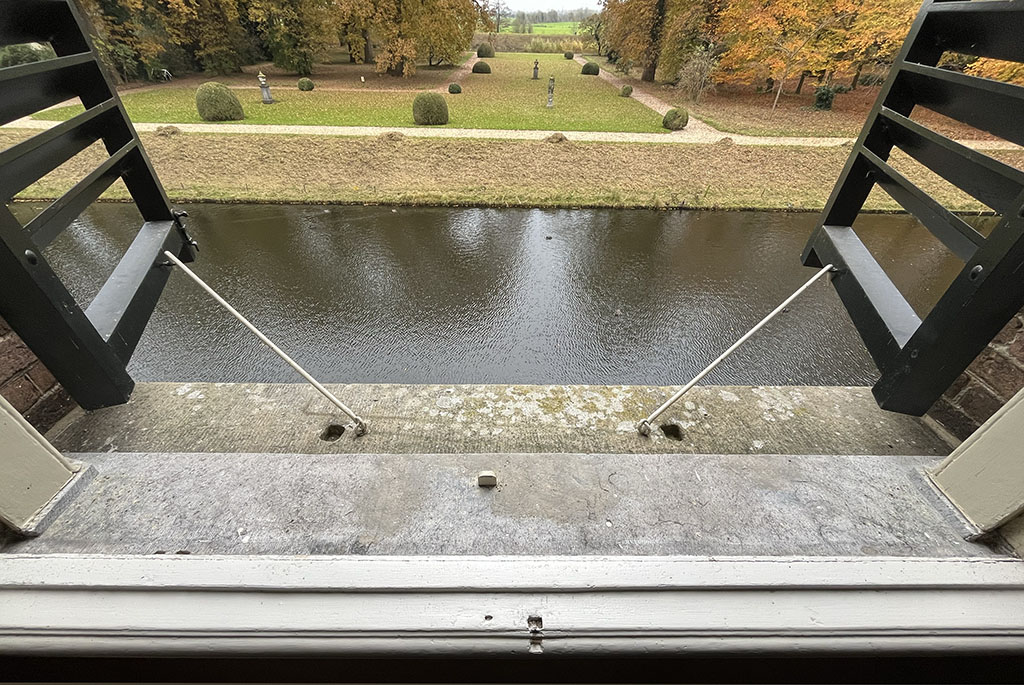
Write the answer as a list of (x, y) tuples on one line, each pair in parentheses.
[(774, 406), (589, 407)]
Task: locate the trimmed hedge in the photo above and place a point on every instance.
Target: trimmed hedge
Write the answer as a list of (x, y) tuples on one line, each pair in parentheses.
[(626, 91), (485, 50), (591, 69), (676, 119), (305, 84), (481, 68), (216, 102), (430, 109), (454, 88), (568, 54)]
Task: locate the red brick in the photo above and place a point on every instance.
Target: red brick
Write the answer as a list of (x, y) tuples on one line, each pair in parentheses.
[(1010, 332), (999, 373), (979, 403), (54, 406), (1016, 349), (41, 376), (952, 419), (15, 357), (958, 385), (21, 393)]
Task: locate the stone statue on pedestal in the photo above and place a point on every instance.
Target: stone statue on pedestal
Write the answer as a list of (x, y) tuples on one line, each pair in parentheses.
[(264, 89)]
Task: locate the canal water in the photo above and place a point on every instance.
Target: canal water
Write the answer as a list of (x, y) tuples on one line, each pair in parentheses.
[(443, 295)]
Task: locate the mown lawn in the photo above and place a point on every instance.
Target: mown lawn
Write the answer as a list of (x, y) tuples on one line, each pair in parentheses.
[(507, 98), (550, 28)]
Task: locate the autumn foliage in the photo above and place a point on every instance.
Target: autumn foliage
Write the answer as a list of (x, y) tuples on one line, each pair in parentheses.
[(764, 41), (138, 38)]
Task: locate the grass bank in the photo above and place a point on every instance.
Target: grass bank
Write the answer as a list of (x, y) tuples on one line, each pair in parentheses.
[(250, 168), (508, 99)]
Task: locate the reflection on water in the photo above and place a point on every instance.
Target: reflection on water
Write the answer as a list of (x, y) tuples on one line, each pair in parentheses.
[(437, 295)]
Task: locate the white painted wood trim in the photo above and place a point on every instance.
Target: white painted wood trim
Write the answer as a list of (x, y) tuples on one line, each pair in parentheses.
[(426, 606), (32, 471), (984, 477)]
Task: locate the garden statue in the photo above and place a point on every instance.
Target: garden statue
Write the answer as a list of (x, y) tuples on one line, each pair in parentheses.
[(264, 89), (551, 92), (536, 68)]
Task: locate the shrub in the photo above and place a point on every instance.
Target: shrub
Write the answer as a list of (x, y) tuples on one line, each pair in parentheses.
[(591, 69), (216, 102), (305, 84), (481, 68), (568, 54), (454, 88), (676, 119), (824, 96), (485, 50), (430, 109), (626, 91), (696, 74)]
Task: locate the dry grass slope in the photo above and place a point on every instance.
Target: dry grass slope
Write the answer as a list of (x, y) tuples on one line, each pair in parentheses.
[(498, 173)]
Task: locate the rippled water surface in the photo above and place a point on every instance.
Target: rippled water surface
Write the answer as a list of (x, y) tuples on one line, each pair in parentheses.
[(436, 295)]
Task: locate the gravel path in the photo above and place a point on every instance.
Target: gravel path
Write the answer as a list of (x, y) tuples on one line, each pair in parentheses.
[(692, 134), (697, 132), (659, 106)]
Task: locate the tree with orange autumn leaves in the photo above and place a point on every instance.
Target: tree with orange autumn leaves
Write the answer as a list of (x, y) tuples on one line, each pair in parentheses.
[(650, 33), (412, 30), (137, 38), (759, 38)]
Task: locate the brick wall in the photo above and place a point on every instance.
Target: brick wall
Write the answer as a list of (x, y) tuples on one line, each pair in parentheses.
[(28, 385), (994, 377)]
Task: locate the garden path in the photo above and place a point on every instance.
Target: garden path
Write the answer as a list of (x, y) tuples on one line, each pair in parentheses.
[(697, 132)]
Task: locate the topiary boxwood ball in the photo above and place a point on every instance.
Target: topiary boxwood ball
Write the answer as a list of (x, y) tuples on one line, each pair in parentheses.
[(485, 50), (305, 84), (676, 119), (591, 69), (454, 88), (626, 91), (216, 102), (481, 68), (569, 54), (430, 109)]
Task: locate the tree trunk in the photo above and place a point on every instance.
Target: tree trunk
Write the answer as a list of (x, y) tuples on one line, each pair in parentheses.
[(778, 93), (367, 47), (651, 68), (856, 76), (800, 86)]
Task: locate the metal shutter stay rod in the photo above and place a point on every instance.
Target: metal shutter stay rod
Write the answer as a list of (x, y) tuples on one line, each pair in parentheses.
[(360, 424), (644, 427)]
